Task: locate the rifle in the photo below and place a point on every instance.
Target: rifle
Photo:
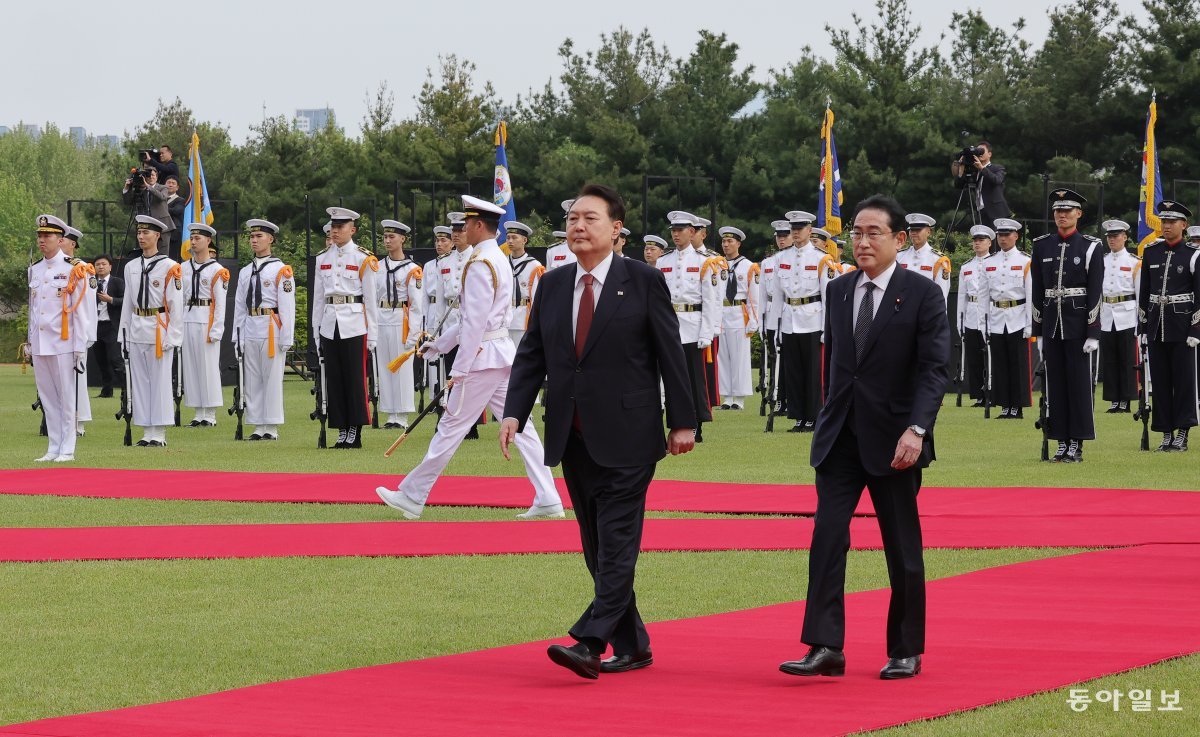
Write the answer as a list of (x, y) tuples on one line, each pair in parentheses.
[(1043, 420), (1144, 410), (434, 401), (762, 377), (772, 391), (987, 379), (962, 363), (373, 387), (126, 410), (177, 380), (239, 400), (319, 391)]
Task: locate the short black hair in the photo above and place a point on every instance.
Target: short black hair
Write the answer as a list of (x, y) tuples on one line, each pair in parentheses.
[(170, 177), (165, 147), (102, 257), (889, 205), (986, 145), (616, 205)]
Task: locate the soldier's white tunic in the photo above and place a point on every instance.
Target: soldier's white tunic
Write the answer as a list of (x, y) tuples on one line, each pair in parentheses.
[(152, 327), (205, 288), (1118, 310), (400, 287), (526, 274), (1007, 277), (929, 264), (83, 402), (266, 320), (58, 329), (698, 308), (739, 318)]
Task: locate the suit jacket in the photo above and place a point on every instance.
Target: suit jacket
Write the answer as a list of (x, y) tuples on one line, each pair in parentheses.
[(116, 290), (991, 187), (632, 344), (899, 381)]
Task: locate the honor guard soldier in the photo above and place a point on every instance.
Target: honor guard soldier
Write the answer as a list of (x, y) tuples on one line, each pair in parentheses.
[(970, 309), (399, 284), (345, 313), (1066, 277), (526, 273), (834, 267), (58, 336), (696, 305), (451, 284), (205, 288), (921, 257), (151, 327), (1193, 235), (800, 276), (653, 249), (1169, 313), (83, 403), (768, 317), (559, 254), (716, 276), (622, 241), (479, 376), (1118, 319), (264, 316), (434, 303), (739, 320), (1008, 322)]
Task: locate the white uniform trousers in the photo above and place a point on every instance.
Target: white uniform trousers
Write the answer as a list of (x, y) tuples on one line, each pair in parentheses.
[(396, 392), (83, 403), (55, 378), (201, 369), (153, 403), (733, 365), (479, 390), (263, 378)]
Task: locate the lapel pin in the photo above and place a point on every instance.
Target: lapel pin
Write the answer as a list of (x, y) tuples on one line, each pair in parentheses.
[(899, 300), (620, 294)]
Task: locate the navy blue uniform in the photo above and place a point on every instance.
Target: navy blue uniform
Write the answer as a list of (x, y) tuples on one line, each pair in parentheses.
[(1169, 313)]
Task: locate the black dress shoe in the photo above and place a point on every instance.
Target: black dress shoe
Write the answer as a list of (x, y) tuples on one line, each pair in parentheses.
[(576, 658), (142, 443), (105, 394), (820, 661), (473, 433), (255, 436), (798, 427), (195, 423), (269, 436), (157, 444), (901, 668), (622, 663), (977, 404)]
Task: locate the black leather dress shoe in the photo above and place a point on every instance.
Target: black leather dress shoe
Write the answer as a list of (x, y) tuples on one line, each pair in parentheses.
[(901, 668), (255, 436), (576, 658), (142, 443), (622, 663), (195, 423), (820, 661), (105, 394)]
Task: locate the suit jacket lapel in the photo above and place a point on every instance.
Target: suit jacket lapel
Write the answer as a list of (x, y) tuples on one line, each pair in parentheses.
[(888, 306), (608, 302)]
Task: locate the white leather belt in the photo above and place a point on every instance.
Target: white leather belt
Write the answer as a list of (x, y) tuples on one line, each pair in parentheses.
[(1172, 299), (1067, 292), (495, 334)]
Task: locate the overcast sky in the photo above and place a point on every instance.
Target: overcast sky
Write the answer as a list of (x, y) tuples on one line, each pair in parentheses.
[(76, 62)]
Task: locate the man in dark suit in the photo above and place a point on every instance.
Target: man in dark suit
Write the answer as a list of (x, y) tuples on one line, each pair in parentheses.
[(602, 334), (989, 204), (106, 353), (887, 357)]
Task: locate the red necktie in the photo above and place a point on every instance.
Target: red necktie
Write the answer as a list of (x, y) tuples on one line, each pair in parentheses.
[(583, 323)]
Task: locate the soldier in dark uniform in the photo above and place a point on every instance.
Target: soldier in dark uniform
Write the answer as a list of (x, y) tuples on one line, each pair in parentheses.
[(1169, 317), (1067, 281)]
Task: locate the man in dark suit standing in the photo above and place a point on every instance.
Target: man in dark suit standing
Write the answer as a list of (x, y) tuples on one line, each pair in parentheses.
[(988, 177), (602, 334), (106, 354), (887, 357)]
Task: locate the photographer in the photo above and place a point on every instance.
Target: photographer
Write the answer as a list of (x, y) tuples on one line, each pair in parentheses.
[(176, 206), (147, 197), (161, 160), (974, 165)]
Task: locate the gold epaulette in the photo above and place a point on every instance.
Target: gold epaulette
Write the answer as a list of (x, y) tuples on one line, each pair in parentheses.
[(495, 279)]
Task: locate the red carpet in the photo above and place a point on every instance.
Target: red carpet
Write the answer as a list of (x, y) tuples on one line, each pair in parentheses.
[(994, 635), (688, 496), (497, 538)]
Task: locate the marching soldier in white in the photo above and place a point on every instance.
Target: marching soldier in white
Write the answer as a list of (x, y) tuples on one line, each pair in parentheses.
[(264, 315), (697, 307), (1009, 322), (205, 288), (151, 327), (920, 256), (83, 403), (800, 276), (451, 285), (739, 320), (1118, 319), (971, 305), (526, 273), (479, 375), (58, 336), (345, 313), (399, 284), (434, 303)]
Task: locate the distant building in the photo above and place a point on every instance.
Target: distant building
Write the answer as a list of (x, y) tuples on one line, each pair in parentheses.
[(4, 131), (313, 120), (78, 136), (109, 142), (32, 130)]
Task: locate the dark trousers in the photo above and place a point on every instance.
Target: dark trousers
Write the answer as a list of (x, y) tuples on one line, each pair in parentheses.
[(780, 389), (610, 505), (1068, 390), (106, 355), (840, 481), (694, 358), (802, 369), (1118, 364), (713, 396), (1010, 370), (976, 360), (346, 380), (1173, 379)]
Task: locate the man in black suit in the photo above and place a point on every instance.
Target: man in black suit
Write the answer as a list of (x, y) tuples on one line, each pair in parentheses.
[(887, 357), (602, 334), (106, 353), (989, 204)]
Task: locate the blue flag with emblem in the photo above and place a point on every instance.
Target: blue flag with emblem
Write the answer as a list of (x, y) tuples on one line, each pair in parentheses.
[(829, 193), (502, 194), (199, 207), (1150, 192)]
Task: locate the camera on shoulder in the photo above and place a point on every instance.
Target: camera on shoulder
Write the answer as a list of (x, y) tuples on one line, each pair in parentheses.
[(146, 154)]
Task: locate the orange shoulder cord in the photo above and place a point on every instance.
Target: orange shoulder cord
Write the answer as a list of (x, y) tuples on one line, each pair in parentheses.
[(223, 275), (416, 273), (752, 272), (534, 275), (78, 272), (285, 272)]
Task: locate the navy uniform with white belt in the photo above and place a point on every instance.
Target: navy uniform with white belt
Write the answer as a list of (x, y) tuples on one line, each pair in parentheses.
[(739, 319), (83, 403), (205, 288), (434, 301), (1007, 321), (1067, 283), (1118, 319), (1169, 316), (527, 271), (345, 313), (400, 286)]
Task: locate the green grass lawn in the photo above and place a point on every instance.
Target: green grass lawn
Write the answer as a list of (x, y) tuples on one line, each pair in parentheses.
[(96, 635)]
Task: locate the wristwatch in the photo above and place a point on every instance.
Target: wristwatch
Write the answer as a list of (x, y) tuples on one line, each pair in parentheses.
[(917, 430)]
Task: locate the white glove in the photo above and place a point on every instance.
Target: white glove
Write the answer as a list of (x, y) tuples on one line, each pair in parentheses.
[(79, 364), (1091, 345), (429, 352), (1027, 332), (285, 348), (1039, 343), (702, 343), (371, 345), (1193, 342), (91, 343), (1144, 339)]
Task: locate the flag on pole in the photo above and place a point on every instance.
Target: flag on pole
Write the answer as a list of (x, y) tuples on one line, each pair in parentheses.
[(829, 207), (199, 207), (1150, 193), (503, 195)]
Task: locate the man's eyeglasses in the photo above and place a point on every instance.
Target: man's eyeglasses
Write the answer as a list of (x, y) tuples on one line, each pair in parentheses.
[(872, 235)]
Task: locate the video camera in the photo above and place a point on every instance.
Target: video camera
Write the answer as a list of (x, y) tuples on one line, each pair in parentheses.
[(146, 154), (966, 156), (137, 178)]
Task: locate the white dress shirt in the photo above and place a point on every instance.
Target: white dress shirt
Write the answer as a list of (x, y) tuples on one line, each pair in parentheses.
[(881, 284), (599, 274)]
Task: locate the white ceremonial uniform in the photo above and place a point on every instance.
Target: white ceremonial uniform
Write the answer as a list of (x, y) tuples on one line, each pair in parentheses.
[(205, 288), (698, 308), (450, 284), (58, 330), (151, 327), (972, 295), (1118, 310), (1007, 277), (399, 284), (264, 315), (339, 274), (800, 276), (434, 305), (928, 263), (739, 319), (83, 402), (481, 369), (559, 255), (526, 273)]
